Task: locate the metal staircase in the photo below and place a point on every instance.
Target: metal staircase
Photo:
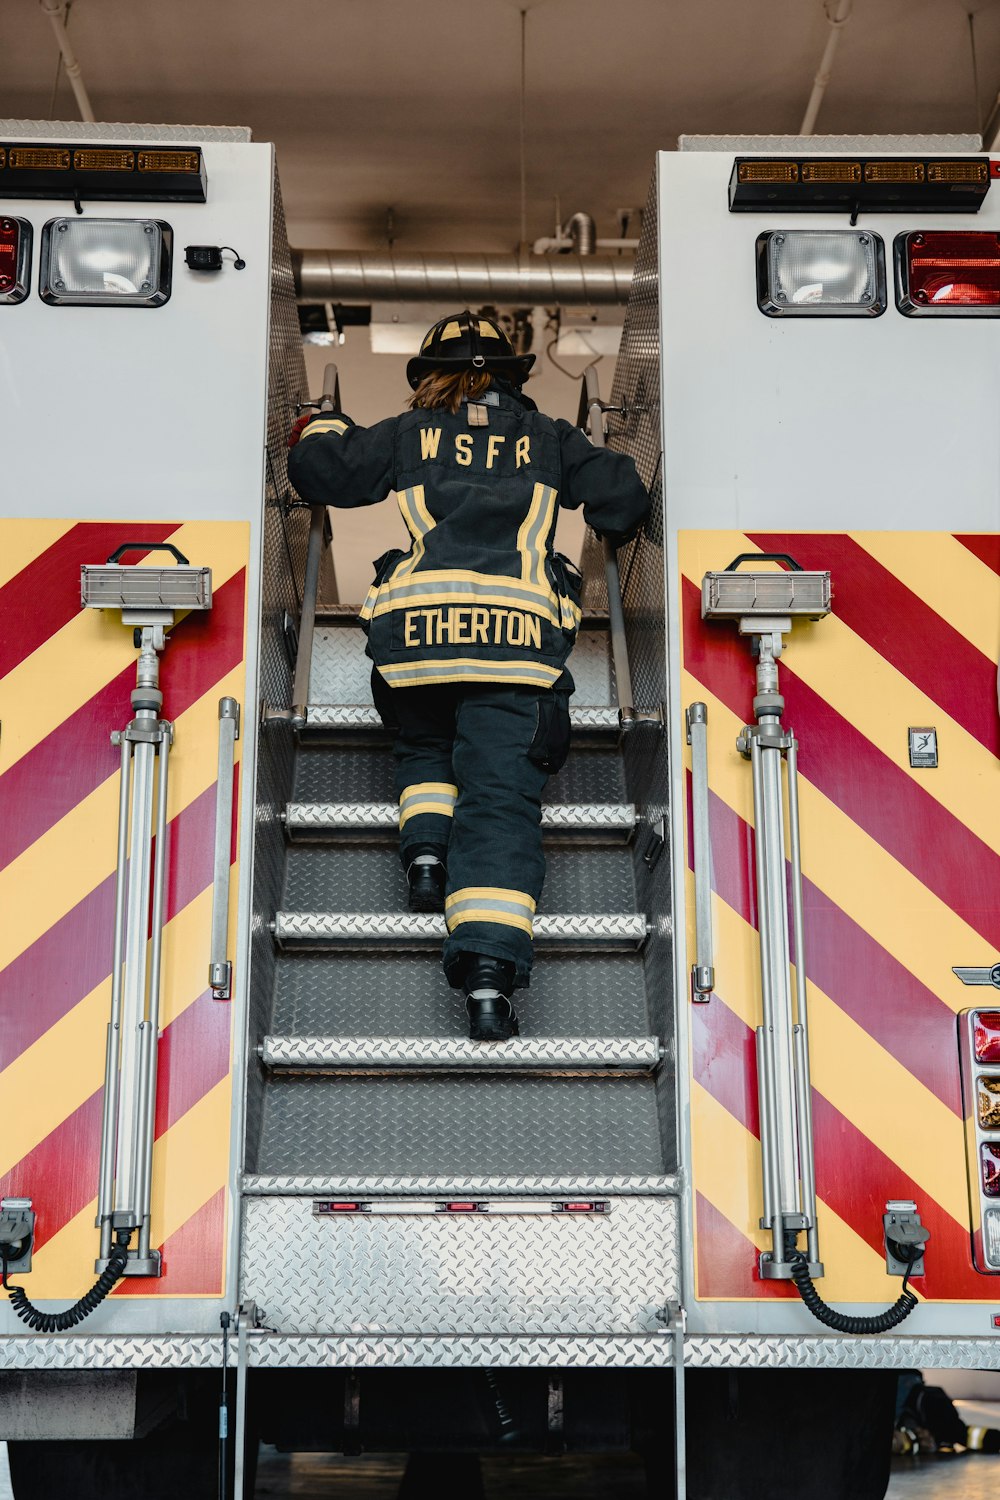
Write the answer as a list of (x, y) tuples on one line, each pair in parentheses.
[(404, 1182)]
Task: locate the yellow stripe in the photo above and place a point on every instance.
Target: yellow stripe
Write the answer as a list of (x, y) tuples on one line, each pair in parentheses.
[(78, 852), (65, 1066), (504, 918), (441, 809), (534, 509), (322, 424), (21, 542), (453, 670), (861, 685), (432, 576), (190, 1165), (388, 603), (949, 578), (857, 874), (92, 648), (869, 1086), (428, 786), (727, 1172), (419, 522), (490, 893)]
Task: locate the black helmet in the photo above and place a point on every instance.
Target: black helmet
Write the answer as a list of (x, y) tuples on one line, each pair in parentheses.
[(465, 341)]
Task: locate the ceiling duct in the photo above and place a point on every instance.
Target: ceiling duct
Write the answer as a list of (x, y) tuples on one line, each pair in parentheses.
[(467, 280)]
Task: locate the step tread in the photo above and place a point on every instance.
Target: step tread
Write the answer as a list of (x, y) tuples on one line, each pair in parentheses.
[(353, 716), (514, 1185), (411, 928), (563, 816), (581, 1053)]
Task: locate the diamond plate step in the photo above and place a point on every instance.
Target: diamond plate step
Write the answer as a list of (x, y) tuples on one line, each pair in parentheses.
[(390, 1054), (619, 1185), (325, 720), (402, 930), (581, 823)]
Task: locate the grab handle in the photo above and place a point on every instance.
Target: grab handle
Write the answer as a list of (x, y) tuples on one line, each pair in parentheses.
[(150, 547), (702, 970)]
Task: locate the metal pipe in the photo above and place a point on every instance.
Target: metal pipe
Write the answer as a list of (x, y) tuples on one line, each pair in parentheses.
[(616, 613), (582, 233), (147, 1114), (702, 970), (220, 970), (764, 1113), (307, 623), (109, 1114), (470, 279), (56, 12), (837, 22), (774, 944), (806, 1148)]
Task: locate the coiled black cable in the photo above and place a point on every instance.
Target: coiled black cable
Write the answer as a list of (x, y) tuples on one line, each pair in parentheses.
[(844, 1322), (60, 1322)]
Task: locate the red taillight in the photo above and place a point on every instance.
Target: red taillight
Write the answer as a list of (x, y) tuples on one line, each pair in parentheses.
[(991, 1171), (945, 271), (10, 253), (579, 1208), (461, 1208), (986, 1032), (344, 1208)]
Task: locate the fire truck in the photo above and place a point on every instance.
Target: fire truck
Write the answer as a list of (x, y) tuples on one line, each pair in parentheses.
[(743, 1163)]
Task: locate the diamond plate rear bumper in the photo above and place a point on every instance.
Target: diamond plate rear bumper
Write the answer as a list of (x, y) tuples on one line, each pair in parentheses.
[(379, 1054), (406, 930)]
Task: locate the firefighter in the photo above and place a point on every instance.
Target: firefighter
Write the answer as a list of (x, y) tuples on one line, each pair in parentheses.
[(470, 628)]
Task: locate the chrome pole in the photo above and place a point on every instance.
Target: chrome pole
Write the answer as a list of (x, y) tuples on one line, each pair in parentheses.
[(151, 1039), (806, 1148), (109, 1113), (702, 970)]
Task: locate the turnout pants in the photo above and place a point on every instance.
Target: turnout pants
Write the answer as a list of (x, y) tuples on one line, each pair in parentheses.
[(472, 760)]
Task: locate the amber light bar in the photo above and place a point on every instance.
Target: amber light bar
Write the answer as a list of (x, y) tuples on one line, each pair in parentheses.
[(144, 174), (855, 185)]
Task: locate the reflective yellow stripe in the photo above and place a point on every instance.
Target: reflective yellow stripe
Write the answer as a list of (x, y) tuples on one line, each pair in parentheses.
[(26, 540), (488, 914), (419, 521), (533, 532), (427, 797), (323, 424), (467, 669), (490, 893), (443, 577), (389, 601)]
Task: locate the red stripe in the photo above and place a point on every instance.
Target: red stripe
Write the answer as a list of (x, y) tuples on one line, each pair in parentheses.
[(985, 547), (60, 1173), (193, 1258), (853, 1177), (849, 966), (78, 755), (727, 1260), (74, 955), (45, 595), (915, 640)]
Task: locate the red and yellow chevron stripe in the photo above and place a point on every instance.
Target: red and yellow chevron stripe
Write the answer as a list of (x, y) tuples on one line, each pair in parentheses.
[(65, 679), (901, 880)]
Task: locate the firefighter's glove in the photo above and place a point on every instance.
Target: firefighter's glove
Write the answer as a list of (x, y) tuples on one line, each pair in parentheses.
[(616, 539), (300, 427)]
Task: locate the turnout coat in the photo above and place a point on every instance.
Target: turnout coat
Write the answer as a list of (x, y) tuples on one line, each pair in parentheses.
[(479, 595)]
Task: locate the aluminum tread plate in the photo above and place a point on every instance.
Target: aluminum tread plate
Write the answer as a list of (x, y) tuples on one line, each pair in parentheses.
[(457, 1054), (125, 132), (341, 672), (353, 772), (276, 1351), (407, 930), (340, 994), (471, 1273), (352, 717), (620, 1186), (601, 820), (444, 1126), (360, 878)]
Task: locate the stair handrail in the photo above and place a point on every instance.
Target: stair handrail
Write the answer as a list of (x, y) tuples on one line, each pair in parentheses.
[(318, 524), (591, 418)]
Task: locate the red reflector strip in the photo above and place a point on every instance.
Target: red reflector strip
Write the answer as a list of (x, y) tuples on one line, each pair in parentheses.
[(579, 1208), (462, 1208)]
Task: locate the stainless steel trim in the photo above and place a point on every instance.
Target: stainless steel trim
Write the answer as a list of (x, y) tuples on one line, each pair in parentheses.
[(470, 279), (329, 1054), (349, 716), (407, 930), (220, 969), (460, 1187), (351, 817)]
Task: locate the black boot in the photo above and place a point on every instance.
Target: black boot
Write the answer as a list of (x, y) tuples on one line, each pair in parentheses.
[(426, 875), (489, 983)]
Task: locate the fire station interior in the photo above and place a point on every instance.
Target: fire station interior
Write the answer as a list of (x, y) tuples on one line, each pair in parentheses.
[(495, 157)]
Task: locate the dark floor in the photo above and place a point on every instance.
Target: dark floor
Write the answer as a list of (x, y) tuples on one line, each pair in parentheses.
[(315, 1475)]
